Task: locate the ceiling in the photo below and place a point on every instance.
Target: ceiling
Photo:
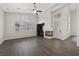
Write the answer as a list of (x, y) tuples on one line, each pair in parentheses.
[(24, 7)]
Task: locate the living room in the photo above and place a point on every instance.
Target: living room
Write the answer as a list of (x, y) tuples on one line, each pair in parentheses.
[(20, 34)]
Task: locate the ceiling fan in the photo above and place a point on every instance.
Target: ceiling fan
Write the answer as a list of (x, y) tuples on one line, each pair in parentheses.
[(35, 11)]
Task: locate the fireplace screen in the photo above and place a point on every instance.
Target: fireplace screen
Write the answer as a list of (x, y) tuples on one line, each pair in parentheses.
[(49, 33)]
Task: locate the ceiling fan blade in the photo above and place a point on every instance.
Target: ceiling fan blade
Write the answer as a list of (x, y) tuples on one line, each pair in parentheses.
[(33, 9), (39, 11), (36, 13)]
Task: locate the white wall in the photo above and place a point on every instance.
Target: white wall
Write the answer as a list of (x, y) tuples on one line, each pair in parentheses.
[(73, 16), (47, 18), (61, 25), (1, 26), (11, 18), (77, 25), (73, 21)]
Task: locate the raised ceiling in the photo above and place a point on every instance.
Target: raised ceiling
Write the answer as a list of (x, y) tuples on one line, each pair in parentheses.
[(24, 7)]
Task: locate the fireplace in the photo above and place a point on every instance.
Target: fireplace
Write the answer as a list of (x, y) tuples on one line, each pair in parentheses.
[(48, 34)]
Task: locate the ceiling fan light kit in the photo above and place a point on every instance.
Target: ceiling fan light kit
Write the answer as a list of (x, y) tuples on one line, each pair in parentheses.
[(35, 11)]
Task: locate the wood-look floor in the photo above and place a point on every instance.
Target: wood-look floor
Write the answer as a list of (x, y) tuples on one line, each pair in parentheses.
[(38, 46)]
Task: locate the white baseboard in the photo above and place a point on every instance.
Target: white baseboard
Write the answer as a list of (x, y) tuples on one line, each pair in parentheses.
[(1, 41)]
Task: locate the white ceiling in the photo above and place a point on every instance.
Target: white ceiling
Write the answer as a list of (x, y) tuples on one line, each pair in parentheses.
[(24, 7)]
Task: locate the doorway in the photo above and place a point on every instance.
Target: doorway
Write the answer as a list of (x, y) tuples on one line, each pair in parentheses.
[(40, 31)]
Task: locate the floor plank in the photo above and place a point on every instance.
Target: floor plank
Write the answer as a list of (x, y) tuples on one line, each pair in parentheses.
[(38, 46)]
